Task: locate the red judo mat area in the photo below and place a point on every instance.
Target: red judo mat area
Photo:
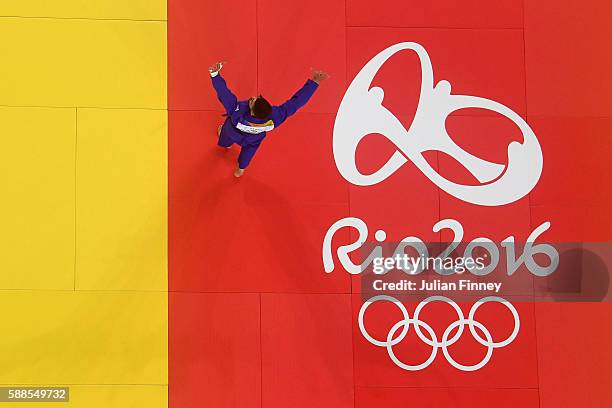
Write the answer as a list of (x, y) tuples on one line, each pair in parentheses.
[(255, 321)]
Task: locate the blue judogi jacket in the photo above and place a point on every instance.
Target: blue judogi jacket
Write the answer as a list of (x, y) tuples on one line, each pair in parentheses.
[(249, 130)]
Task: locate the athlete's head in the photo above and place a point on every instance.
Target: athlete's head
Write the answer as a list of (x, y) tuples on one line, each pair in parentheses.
[(260, 108)]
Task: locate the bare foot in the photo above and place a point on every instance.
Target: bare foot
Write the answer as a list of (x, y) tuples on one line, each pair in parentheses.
[(239, 172)]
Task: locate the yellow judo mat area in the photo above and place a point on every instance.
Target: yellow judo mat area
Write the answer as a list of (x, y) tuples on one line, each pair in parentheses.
[(83, 251)]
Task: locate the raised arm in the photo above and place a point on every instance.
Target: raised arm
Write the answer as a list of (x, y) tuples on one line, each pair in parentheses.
[(226, 97), (300, 98)]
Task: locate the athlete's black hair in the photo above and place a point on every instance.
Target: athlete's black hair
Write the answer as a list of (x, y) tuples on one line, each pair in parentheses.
[(261, 108)]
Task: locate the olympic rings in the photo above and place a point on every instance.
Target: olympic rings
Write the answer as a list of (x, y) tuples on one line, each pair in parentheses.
[(445, 342)]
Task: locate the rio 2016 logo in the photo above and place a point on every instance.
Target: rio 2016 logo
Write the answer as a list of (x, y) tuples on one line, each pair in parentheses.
[(362, 113), (500, 184)]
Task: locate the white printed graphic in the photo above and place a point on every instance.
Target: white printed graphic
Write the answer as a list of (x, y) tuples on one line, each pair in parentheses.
[(513, 260), (431, 338), (361, 113)]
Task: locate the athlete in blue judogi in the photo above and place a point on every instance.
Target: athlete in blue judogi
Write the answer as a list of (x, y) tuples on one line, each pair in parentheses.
[(248, 122)]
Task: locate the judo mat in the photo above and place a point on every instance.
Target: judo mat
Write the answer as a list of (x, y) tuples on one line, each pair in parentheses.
[(140, 273)]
